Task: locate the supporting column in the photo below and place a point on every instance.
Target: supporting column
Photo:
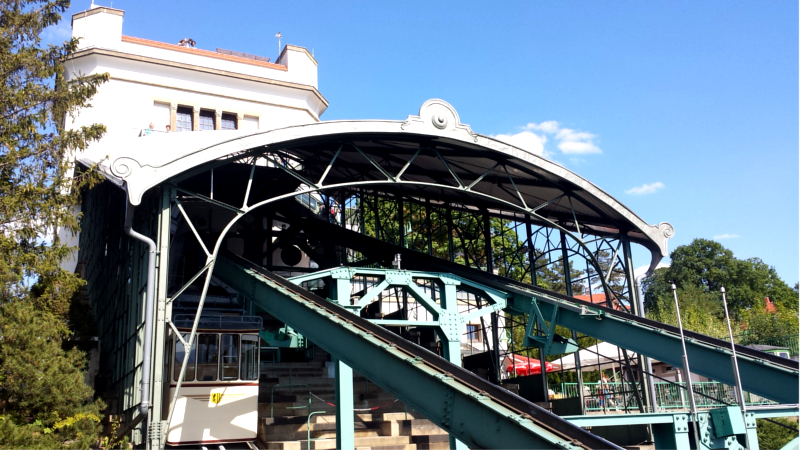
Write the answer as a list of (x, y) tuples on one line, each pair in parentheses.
[(345, 423), (450, 333), (568, 287), (218, 119), (402, 225), (752, 431), (195, 118), (430, 226), (173, 117), (637, 306), (496, 347), (160, 329), (449, 218)]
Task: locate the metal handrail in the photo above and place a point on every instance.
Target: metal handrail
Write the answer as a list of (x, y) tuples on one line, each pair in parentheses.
[(308, 427), (668, 394)]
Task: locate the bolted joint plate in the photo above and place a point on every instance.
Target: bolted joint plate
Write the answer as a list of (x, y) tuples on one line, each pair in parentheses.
[(450, 280), (342, 273), (451, 325), (750, 420), (395, 277), (680, 423)]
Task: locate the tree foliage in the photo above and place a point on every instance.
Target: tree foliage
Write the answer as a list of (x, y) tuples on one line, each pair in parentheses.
[(707, 265), (43, 401), (699, 270), (772, 436)]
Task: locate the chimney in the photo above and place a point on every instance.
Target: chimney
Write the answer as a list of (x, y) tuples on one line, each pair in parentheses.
[(99, 26)]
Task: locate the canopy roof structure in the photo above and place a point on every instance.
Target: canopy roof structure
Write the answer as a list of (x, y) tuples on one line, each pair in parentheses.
[(431, 155)]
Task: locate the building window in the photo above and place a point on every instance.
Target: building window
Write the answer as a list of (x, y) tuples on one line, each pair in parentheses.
[(206, 120), (473, 332), (228, 122), (230, 357), (183, 119)]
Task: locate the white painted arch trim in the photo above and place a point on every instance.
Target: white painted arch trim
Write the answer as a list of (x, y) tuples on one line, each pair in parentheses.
[(143, 163)]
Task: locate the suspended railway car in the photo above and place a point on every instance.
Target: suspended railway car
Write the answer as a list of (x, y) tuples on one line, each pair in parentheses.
[(218, 399)]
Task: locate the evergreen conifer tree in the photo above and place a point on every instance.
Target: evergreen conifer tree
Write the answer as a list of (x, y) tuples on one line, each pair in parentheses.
[(44, 402)]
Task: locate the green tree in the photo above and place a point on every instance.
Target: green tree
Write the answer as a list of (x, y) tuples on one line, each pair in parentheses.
[(551, 277), (707, 265), (761, 325), (44, 402), (772, 436), (701, 311)]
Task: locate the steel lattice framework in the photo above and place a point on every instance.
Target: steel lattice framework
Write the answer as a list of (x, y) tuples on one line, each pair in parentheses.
[(427, 184)]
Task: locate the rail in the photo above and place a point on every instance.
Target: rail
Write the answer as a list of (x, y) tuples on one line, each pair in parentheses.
[(308, 426), (477, 412), (711, 394), (764, 374)]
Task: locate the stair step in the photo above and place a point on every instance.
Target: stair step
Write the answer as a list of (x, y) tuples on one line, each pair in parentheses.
[(331, 434), (431, 439), (374, 443)]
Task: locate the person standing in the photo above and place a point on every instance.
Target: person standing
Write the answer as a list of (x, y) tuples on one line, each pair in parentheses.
[(148, 131), (604, 389)]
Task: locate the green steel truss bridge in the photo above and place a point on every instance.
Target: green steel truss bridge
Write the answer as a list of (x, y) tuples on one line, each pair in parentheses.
[(327, 226)]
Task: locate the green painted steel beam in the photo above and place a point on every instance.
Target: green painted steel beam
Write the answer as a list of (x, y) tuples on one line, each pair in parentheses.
[(474, 417), (772, 412), (758, 377), (610, 420), (667, 417), (345, 415), (404, 323)]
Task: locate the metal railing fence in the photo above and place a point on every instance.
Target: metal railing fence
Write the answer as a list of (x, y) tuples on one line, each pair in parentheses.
[(790, 341), (617, 396)]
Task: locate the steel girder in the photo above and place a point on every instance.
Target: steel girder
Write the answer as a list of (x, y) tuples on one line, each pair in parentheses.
[(773, 378), (463, 408), (758, 375)]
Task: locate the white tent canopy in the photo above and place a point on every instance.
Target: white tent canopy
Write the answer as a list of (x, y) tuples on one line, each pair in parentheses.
[(604, 354)]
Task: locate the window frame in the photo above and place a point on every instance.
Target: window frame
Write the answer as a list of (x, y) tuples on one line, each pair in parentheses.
[(184, 111), (229, 117), (473, 335), (208, 115), (222, 356)]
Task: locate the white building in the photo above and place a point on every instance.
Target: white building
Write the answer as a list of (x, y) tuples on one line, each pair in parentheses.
[(185, 88), (188, 88)]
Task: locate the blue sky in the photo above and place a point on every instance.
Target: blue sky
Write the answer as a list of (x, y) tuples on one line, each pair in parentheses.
[(693, 103)]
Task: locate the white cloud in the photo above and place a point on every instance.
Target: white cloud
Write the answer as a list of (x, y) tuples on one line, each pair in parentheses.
[(550, 126), (645, 188), (535, 135), (526, 140), (726, 236), (579, 148)]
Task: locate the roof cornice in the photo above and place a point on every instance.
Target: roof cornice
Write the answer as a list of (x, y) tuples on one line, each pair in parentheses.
[(162, 62)]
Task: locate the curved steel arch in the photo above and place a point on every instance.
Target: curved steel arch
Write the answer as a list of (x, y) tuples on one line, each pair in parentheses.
[(177, 155), (137, 182)]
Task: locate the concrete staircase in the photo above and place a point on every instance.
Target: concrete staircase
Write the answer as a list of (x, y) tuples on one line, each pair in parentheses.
[(384, 423), (388, 431)]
